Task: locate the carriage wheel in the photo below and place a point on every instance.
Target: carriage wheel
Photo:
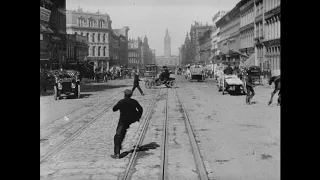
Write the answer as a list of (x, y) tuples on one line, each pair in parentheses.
[(56, 94), (172, 83), (147, 84)]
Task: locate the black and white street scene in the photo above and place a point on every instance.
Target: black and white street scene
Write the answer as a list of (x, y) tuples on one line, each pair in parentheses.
[(160, 89)]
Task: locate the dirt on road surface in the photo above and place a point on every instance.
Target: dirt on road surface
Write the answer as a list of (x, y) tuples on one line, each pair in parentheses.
[(236, 141)]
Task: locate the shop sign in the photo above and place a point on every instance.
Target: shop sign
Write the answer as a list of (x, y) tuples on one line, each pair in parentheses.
[(44, 14)]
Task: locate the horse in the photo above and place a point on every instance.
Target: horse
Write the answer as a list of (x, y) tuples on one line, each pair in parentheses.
[(277, 87)]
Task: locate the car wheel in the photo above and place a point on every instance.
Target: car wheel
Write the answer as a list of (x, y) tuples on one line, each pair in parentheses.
[(56, 95), (78, 91)]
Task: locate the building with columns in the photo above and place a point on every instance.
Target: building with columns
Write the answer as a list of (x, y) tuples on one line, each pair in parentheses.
[(134, 53), (247, 17), (272, 18), (103, 42), (214, 35), (229, 43), (205, 46)]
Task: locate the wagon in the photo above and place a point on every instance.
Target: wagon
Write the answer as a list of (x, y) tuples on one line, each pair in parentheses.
[(66, 82), (231, 83)]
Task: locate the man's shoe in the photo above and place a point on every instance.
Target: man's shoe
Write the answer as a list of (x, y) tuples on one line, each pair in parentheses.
[(115, 156)]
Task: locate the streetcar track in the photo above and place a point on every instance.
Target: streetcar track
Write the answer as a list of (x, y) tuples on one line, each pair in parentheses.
[(201, 169), (164, 175), (146, 121), (91, 103), (73, 120), (75, 134)]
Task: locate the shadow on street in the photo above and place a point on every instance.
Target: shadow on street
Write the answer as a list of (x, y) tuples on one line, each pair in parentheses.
[(146, 147)]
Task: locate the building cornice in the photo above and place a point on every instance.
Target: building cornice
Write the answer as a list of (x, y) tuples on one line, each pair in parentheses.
[(271, 42), (73, 27), (245, 7), (258, 18), (248, 26), (272, 12)]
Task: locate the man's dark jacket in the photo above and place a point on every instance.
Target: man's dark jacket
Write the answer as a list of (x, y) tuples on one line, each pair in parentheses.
[(136, 79), (130, 111)]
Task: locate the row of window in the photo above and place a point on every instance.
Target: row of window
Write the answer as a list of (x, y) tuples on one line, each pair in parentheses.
[(272, 29), (247, 18), (247, 39), (133, 54), (95, 37), (133, 61), (98, 51), (259, 29), (90, 22)]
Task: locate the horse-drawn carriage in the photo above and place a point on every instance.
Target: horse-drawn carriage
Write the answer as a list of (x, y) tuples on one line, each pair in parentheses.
[(197, 72), (152, 77), (66, 82), (100, 75)]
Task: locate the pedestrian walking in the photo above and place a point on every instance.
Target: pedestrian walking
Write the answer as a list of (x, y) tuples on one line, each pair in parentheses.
[(136, 82), (249, 87), (130, 112)]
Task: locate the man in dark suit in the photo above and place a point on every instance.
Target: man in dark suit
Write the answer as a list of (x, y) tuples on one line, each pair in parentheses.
[(130, 112), (136, 82)]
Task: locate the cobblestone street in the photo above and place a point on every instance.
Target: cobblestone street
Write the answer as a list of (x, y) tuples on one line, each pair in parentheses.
[(236, 141)]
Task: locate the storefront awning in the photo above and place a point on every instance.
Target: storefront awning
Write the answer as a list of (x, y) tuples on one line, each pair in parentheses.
[(249, 62), (236, 51), (42, 28), (49, 30)]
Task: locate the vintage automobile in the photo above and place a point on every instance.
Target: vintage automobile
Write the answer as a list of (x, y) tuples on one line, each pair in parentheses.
[(66, 82), (152, 79)]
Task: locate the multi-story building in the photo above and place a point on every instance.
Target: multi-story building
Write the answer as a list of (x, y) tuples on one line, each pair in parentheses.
[(214, 35), (272, 18), (259, 34), (77, 50), (104, 45), (229, 34), (196, 32), (247, 19), (53, 34), (186, 52), (121, 49), (134, 53), (205, 46)]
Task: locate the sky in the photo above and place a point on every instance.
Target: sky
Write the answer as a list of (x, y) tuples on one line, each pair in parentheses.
[(153, 17)]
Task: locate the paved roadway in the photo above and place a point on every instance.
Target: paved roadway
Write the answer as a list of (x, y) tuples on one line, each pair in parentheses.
[(236, 141)]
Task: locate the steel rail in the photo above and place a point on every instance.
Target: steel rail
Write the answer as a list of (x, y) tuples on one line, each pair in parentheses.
[(78, 117), (146, 121), (75, 134), (197, 156), (164, 153), (76, 109)]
